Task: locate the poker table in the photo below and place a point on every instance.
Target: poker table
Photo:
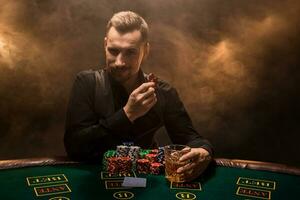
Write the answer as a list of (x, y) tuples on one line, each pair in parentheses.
[(61, 179)]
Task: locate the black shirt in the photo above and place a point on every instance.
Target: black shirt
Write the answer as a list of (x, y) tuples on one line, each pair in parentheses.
[(96, 120)]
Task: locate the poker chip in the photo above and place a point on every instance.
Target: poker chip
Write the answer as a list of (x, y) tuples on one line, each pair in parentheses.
[(152, 78), (128, 144), (143, 166), (144, 152), (151, 157), (156, 168), (134, 155), (122, 150), (128, 158), (119, 165), (133, 152), (161, 155), (112, 165), (106, 155), (154, 151), (110, 153), (124, 164)]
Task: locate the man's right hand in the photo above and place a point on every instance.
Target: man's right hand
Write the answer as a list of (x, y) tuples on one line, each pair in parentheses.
[(140, 101)]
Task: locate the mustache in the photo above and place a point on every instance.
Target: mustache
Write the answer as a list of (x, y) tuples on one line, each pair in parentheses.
[(116, 68)]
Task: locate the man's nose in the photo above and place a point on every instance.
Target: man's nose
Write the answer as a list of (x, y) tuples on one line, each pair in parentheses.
[(120, 60)]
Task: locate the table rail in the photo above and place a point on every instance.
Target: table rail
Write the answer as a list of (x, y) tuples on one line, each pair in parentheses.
[(258, 165), (244, 164)]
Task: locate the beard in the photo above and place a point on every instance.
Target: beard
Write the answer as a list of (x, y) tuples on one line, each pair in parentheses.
[(119, 74)]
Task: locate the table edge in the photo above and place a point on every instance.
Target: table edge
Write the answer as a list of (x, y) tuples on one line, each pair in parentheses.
[(235, 163), (258, 165)]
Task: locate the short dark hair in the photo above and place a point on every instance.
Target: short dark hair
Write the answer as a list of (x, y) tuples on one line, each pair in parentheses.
[(126, 21)]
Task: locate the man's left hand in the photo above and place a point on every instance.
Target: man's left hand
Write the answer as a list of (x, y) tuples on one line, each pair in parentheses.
[(198, 158)]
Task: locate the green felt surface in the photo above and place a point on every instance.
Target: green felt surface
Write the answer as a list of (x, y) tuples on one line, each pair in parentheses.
[(85, 184)]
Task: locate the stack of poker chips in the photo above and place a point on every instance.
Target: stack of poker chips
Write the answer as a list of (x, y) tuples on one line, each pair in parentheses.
[(144, 152), (151, 157), (154, 151), (121, 160), (119, 165), (132, 158), (108, 154), (156, 168), (154, 165), (161, 155), (122, 150), (143, 166), (133, 153)]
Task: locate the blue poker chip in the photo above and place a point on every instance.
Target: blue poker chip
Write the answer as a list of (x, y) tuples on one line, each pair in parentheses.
[(160, 155), (127, 143)]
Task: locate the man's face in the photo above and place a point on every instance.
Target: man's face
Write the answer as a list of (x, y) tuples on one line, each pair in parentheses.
[(124, 53)]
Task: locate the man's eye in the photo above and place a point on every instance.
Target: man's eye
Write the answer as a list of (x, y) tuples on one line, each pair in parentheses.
[(114, 52), (131, 52)]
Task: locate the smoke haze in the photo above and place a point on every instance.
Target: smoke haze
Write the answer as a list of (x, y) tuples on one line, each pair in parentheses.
[(235, 65)]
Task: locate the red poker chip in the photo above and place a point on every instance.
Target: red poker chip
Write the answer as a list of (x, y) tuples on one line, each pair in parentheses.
[(124, 158), (151, 157), (151, 77), (143, 161), (156, 168), (154, 151), (156, 164), (143, 166)]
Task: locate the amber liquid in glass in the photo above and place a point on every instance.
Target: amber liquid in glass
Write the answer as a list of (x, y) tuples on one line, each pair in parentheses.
[(172, 156), (171, 170)]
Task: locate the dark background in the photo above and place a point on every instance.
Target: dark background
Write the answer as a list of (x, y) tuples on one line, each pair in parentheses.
[(235, 64)]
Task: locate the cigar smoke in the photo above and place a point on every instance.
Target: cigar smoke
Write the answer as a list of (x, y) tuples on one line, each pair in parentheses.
[(234, 63)]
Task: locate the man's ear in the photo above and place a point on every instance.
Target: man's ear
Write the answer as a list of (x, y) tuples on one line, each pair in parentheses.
[(146, 50), (105, 42)]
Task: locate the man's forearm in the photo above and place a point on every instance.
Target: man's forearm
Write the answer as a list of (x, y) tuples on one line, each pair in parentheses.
[(90, 141)]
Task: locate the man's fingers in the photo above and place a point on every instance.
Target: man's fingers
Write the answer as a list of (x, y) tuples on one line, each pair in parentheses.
[(190, 173), (152, 103), (185, 150), (150, 92), (186, 168), (187, 177), (199, 159), (149, 101), (188, 156), (144, 87)]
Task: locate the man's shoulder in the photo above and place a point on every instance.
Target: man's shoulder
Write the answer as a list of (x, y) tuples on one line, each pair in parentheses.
[(86, 74), (164, 85), (86, 77)]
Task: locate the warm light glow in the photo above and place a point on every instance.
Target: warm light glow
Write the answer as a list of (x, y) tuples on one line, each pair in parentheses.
[(4, 49), (1, 44), (221, 52)]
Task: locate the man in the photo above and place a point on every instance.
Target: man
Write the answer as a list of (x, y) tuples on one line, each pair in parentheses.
[(118, 103)]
